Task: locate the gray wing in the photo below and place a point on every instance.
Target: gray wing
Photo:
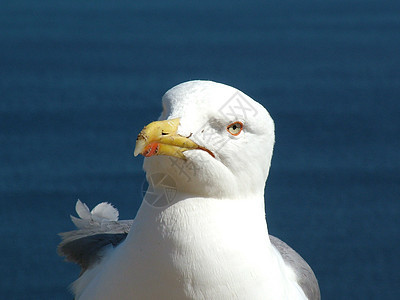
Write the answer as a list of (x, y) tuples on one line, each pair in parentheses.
[(96, 232), (85, 246), (305, 275)]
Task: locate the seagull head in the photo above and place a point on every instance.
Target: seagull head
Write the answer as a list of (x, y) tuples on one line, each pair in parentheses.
[(211, 139)]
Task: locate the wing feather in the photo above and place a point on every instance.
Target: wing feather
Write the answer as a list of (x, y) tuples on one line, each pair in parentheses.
[(305, 275)]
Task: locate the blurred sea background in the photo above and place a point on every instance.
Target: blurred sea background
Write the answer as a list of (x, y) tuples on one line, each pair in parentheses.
[(79, 79)]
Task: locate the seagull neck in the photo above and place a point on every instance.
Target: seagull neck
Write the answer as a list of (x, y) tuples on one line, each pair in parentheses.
[(201, 244), (198, 215)]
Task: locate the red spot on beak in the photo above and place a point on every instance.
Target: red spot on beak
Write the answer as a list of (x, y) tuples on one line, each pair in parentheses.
[(151, 149)]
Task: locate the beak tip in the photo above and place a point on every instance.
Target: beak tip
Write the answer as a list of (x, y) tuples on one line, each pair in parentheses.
[(138, 147), (136, 152)]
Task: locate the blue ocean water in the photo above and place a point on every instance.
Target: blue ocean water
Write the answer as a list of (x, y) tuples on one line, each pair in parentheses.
[(79, 79)]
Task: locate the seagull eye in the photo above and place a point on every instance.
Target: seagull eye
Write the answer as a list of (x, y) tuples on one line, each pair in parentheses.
[(235, 128)]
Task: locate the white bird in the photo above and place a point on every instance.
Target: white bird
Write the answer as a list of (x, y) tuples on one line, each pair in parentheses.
[(201, 231)]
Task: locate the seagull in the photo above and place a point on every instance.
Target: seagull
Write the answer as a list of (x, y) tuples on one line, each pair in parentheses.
[(201, 231)]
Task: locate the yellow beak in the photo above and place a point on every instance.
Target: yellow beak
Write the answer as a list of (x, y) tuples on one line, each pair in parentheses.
[(160, 138)]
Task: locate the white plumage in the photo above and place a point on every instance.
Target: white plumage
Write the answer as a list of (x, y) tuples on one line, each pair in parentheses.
[(211, 241)]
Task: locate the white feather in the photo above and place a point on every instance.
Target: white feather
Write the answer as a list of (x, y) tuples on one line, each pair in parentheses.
[(105, 211), (82, 210)]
